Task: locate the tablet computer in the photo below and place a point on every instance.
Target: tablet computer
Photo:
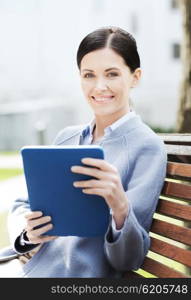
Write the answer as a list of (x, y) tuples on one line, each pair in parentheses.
[(49, 181)]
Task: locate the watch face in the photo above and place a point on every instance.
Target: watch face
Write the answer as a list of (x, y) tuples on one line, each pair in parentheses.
[(23, 239)]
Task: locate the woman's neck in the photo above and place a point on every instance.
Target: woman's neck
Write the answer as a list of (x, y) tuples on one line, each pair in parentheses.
[(101, 122)]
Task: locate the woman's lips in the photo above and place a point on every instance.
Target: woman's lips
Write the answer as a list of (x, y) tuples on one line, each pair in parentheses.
[(102, 99)]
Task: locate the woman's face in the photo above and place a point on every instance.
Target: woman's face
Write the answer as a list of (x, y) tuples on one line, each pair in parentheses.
[(106, 82)]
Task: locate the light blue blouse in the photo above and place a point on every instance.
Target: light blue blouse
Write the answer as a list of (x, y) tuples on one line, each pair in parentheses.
[(140, 157)]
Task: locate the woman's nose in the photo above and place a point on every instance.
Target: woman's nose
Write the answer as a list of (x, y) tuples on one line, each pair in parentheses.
[(101, 85)]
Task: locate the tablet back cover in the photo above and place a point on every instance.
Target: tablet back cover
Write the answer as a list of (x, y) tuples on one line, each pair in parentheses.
[(50, 187)]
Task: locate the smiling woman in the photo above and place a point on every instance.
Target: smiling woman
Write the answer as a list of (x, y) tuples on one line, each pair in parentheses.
[(129, 179), (107, 88), (107, 84)]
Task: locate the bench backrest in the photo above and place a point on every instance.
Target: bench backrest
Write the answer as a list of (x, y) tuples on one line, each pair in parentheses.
[(170, 251)]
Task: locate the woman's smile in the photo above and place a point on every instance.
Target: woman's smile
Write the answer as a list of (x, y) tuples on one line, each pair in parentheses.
[(103, 99)]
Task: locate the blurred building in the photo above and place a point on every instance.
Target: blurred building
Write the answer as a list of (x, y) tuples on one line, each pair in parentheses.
[(39, 85), (32, 122)]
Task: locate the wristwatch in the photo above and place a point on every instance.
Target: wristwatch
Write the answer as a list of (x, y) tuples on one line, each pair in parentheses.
[(24, 239)]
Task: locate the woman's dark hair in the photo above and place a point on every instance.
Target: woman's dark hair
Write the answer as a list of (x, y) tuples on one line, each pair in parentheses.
[(115, 38)]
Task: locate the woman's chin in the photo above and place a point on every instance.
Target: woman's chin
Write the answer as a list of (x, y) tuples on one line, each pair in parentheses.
[(103, 112)]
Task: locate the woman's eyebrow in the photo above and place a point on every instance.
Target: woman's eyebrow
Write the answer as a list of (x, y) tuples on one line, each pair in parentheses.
[(113, 68), (87, 70), (109, 69)]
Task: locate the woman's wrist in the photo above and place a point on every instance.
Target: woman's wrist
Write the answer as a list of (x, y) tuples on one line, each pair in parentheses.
[(120, 215)]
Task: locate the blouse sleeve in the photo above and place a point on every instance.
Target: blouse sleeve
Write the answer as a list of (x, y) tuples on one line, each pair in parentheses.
[(146, 178)]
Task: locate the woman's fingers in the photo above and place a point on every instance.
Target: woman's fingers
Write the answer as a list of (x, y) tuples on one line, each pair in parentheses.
[(99, 163), (98, 184), (95, 191), (89, 183), (40, 231), (88, 171), (35, 237), (100, 171), (35, 219), (43, 220), (33, 215)]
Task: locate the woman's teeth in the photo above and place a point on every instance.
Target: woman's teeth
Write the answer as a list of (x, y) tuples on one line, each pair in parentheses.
[(103, 99)]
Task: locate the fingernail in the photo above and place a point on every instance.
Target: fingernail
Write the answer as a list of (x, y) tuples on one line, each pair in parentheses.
[(85, 159)]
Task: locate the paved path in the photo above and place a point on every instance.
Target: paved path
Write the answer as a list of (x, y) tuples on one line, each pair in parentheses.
[(11, 161), (14, 187), (10, 190)]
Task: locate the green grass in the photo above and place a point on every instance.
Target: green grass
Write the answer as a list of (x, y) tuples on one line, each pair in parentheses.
[(9, 152), (8, 173)]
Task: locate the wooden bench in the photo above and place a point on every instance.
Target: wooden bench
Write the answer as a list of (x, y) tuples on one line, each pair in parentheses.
[(170, 250)]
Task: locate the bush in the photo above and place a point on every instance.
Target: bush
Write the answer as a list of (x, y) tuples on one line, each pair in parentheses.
[(162, 129)]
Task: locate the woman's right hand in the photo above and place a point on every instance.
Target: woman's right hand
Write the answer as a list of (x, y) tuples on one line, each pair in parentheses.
[(36, 218)]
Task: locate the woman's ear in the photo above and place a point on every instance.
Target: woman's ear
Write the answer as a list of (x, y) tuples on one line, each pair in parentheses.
[(136, 76)]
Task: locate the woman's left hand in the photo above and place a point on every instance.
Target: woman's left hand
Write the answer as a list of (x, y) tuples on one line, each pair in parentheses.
[(107, 183)]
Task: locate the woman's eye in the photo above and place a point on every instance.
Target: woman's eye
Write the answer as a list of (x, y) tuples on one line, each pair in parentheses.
[(88, 75), (112, 74)]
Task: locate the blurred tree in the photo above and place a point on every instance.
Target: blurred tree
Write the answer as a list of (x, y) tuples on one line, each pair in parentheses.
[(184, 112)]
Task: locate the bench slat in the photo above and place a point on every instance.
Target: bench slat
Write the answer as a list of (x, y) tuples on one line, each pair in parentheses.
[(179, 169), (131, 274), (178, 149), (171, 251), (177, 233), (172, 209), (176, 138), (158, 269), (178, 190)]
